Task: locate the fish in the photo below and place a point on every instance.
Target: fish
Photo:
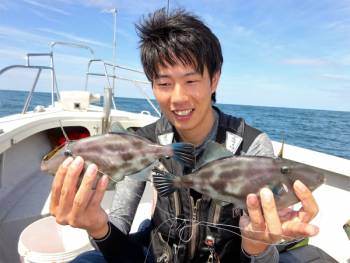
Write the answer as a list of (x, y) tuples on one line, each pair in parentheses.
[(346, 228), (118, 154), (231, 179)]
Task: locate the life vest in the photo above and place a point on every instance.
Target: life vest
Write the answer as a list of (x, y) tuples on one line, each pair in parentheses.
[(185, 230)]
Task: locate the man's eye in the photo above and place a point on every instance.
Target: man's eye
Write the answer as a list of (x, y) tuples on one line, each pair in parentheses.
[(164, 84), (192, 81)]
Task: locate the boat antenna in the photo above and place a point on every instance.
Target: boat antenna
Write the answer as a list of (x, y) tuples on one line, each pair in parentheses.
[(114, 59), (63, 131), (114, 11), (167, 9)]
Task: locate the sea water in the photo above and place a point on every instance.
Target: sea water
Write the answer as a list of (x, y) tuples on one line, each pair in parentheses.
[(319, 130)]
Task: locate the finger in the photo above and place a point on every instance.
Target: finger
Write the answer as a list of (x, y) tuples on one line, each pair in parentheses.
[(270, 213), (84, 193), (287, 214), (58, 183), (244, 222), (255, 214), (310, 207), (100, 191), (295, 229), (70, 185), (255, 239)]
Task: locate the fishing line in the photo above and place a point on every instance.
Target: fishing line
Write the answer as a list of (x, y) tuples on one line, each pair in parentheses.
[(254, 231), (188, 223), (184, 224), (183, 230), (152, 236), (64, 132)]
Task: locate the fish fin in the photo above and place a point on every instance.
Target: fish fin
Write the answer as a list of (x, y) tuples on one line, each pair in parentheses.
[(184, 153), (163, 182), (280, 153), (213, 151), (144, 174), (116, 127), (279, 189)]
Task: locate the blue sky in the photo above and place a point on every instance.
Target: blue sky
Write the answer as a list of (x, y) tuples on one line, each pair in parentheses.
[(292, 53)]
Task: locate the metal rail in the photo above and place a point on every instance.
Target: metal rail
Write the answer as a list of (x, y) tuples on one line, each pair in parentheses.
[(39, 68), (114, 76), (54, 85), (74, 45), (99, 74), (53, 75)]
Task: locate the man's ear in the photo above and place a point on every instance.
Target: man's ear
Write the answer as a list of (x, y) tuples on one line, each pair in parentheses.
[(215, 81)]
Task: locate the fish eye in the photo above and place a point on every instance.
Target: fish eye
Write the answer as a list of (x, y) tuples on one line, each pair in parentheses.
[(285, 170), (68, 153)]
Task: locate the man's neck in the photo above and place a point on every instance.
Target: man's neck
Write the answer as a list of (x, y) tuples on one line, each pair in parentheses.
[(198, 135)]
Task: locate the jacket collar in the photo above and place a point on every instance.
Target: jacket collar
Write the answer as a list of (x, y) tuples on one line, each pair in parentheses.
[(166, 132), (229, 133)]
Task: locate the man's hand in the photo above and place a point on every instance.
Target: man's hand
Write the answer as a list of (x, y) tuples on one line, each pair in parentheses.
[(265, 225), (79, 207)]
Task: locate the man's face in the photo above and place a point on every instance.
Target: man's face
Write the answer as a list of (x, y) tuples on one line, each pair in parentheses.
[(184, 96)]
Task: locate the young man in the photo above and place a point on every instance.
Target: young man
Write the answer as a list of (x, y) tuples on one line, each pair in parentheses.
[(182, 58)]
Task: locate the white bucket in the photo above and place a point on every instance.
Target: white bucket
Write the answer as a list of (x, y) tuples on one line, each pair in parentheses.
[(46, 241)]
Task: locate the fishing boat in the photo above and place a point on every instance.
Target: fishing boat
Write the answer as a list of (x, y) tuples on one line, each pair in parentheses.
[(27, 136)]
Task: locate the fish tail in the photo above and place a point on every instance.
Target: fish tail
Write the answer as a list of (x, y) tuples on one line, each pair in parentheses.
[(163, 181), (184, 153)]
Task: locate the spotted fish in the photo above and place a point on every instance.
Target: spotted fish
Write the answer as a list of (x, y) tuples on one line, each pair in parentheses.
[(118, 154), (346, 227), (231, 179)]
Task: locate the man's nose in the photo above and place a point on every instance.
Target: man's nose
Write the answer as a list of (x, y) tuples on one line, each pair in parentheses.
[(179, 93)]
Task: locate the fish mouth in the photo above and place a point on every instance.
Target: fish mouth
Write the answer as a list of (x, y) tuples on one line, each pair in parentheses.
[(43, 166), (52, 153)]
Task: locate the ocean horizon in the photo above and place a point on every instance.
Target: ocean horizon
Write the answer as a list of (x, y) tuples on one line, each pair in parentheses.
[(326, 131)]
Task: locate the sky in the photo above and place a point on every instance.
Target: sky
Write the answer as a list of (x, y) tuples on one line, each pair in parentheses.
[(287, 53)]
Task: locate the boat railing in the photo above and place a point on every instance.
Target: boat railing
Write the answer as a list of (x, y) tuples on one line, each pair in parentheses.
[(137, 83), (67, 44), (29, 65), (39, 68), (54, 86)]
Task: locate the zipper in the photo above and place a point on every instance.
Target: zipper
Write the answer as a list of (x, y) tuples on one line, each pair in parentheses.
[(216, 215), (177, 203), (195, 208), (194, 225), (167, 253)]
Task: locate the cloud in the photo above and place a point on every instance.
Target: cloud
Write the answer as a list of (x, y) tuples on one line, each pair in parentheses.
[(241, 30), (305, 61), (100, 3), (136, 7), (45, 16), (345, 59), (336, 77), (46, 7), (342, 26), (22, 36), (74, 37), (12, 53)]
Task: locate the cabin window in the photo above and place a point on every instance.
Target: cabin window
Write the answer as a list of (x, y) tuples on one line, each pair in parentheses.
[(57, 137)]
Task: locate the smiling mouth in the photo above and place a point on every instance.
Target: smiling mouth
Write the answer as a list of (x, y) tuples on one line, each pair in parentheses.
[(183, 113)]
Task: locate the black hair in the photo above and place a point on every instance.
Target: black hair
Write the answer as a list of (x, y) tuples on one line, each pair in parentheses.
[(176, 37)]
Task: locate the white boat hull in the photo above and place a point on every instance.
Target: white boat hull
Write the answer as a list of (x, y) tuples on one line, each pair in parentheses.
[(24, 192)]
